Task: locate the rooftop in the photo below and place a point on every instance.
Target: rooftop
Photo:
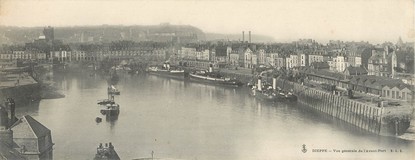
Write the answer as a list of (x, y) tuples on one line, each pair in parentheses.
[(38, 129)]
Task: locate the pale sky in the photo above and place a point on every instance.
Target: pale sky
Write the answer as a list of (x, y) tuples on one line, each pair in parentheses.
[(375, 21)]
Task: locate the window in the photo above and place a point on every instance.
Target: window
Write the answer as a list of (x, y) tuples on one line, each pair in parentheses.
[(388, 93), (393, 94), (403, 95)]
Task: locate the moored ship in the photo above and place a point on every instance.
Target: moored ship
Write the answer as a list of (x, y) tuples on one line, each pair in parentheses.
[(111, 110), (106, 152), (270, 92), (167, 71), (213, 78)]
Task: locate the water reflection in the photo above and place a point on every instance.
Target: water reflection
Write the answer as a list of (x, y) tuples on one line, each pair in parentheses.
[(185, 120), (31, 108)]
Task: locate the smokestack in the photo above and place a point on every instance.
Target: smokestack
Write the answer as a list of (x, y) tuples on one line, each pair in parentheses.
[(274, 83), (249, 36), (243, 36), (259, 84), (4, 118)]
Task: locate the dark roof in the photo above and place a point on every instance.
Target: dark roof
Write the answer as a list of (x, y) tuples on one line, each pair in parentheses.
[(379, 82), (356, 70), (320, 65), (323, 73), (221, 51)]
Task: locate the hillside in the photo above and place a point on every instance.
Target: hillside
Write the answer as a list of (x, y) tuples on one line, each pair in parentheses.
[(105, 33), (255, 38)]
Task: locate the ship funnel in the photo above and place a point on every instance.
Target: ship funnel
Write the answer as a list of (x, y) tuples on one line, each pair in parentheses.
[(210, 68), (168, 66), (259, 84), (274, 83), (243, 36)]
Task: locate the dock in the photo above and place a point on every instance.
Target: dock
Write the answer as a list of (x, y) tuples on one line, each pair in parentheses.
[(378, 118)]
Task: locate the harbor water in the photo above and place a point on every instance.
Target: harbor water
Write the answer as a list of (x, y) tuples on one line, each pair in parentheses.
[(185, 120)]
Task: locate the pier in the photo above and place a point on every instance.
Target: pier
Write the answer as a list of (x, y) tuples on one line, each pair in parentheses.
[(379, 119)]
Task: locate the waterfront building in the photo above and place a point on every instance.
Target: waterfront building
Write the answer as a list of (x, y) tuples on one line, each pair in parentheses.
[(247, 58), (40, 56), (234, 59), (382, 62), (254, 60), (295, 60), (315, 58), (228, 53), (327, 77), (262, 57), (33, 139), (288, 63), (303, 60), (77, 55), (382, 86), (6, 56), (354, 71), (272, 58), (187, 53), (202, 54), (7, 145), (354, 61), (292, 62), (399, 92), (60, 56), (340, 63), (279, 62), (220, 54), (21, 55), (332, 65)]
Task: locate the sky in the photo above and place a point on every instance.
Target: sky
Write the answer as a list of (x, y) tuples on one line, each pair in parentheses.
[(375, 21)]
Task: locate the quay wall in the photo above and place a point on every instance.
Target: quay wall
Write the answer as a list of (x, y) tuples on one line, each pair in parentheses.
[(366, 116), (22, 94)]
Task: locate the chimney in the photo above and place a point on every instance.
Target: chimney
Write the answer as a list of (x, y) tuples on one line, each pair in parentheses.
[(243, 36), (259, 84), (274, 83), (12, 106), (249, 36), (211, 68)]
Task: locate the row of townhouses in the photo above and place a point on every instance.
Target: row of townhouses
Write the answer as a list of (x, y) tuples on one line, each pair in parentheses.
[(67, 56), (247, 57)]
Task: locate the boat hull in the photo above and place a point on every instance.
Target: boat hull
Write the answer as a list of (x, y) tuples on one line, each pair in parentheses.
[(110, 112), (214, 81), (274, 96), (168, 74)]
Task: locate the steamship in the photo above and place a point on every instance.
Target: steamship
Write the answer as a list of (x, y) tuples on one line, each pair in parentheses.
[(112, 109), (213, 78), (270, 92), (166, 71)]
